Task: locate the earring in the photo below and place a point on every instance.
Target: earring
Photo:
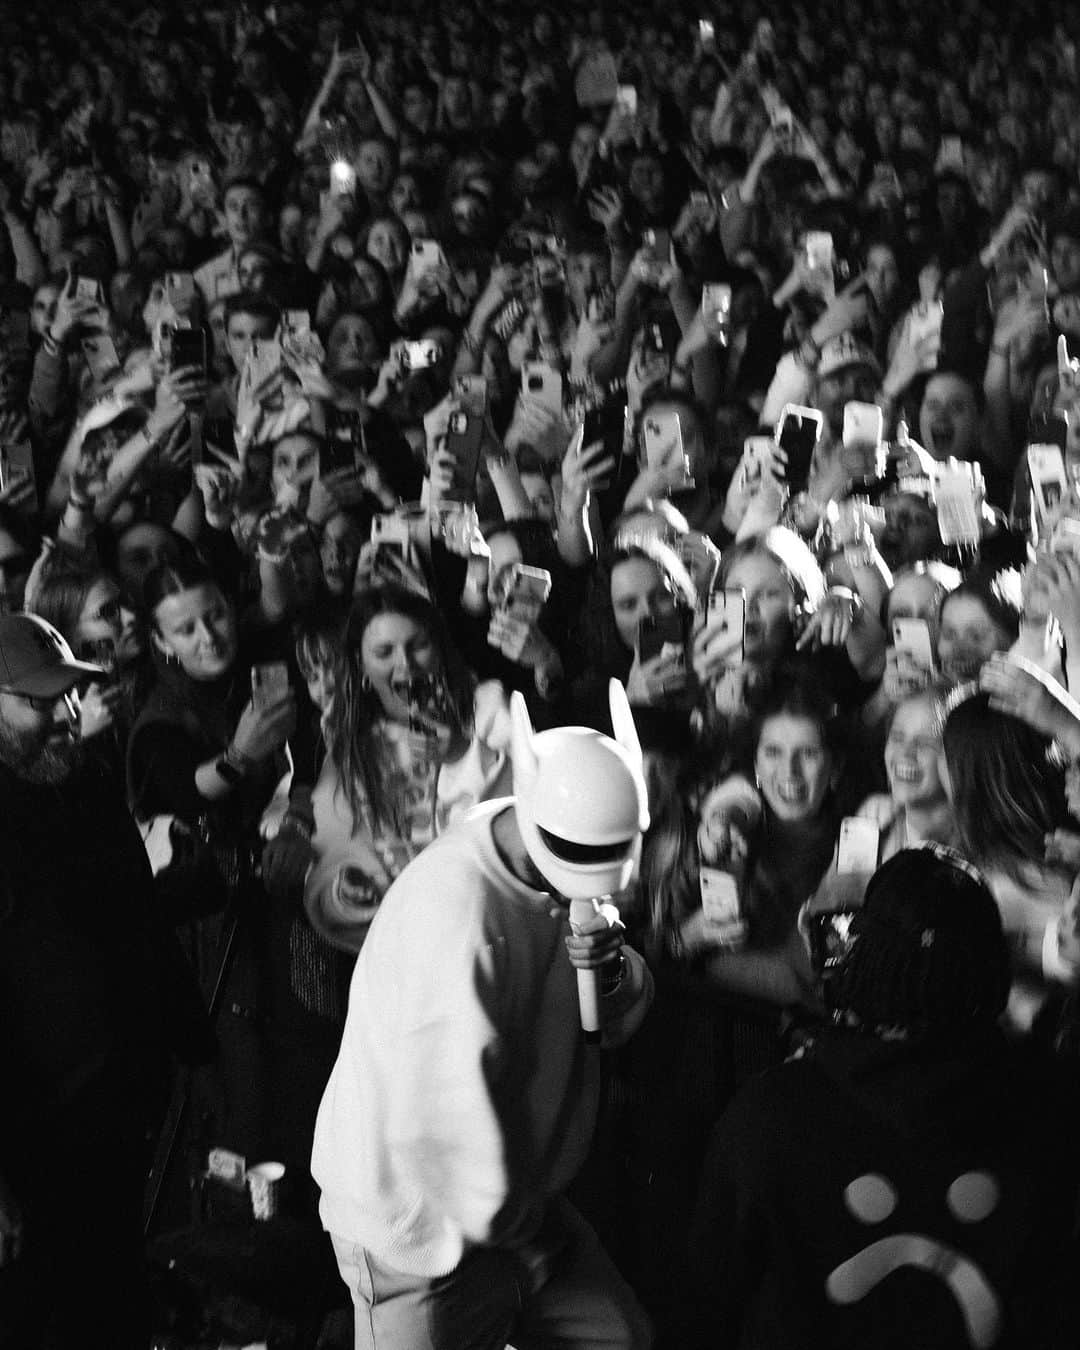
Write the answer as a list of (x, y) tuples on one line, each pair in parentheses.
[(365, 683), (171, 659)]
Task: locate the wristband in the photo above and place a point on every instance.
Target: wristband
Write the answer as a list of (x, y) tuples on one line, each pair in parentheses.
[(996, 350), (471, 344), (294, 823), (611, 976), (50, 343), (227, 771)]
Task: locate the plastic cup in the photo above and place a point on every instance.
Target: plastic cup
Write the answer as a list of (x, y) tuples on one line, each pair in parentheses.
[(264, 1184)]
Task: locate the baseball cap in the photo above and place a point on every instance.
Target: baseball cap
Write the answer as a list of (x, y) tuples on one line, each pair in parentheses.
[(36, 661), (846, 350)]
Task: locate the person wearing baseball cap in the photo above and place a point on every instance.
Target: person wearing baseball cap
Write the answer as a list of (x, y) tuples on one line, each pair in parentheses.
[(39, 707), (94, 995)]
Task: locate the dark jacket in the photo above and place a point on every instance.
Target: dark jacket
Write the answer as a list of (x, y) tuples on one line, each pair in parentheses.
[(885, 1194)]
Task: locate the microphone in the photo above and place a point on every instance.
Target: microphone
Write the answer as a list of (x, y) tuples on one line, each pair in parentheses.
[(588, 981)]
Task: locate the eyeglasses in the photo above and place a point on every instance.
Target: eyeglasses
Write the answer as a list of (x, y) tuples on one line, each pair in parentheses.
[(47, 702)]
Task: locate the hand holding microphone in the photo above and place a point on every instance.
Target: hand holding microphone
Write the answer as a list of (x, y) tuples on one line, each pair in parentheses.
[(595, 940)]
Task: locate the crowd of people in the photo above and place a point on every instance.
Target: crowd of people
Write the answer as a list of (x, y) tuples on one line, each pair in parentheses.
[(380, 384)]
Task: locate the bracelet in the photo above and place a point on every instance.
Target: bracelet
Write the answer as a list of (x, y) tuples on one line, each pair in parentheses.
[(50, 343), (996, 350), (611, 980), (471, 344)]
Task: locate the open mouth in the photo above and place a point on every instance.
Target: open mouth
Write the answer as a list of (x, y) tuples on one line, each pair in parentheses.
[(943, 434), (906, 773)]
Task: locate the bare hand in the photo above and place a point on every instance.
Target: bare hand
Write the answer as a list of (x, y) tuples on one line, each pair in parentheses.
[(656, 680), (596, 941), (584, 470), (263, 730)]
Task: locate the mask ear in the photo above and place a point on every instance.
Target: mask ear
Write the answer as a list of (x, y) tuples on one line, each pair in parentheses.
[(522, 753), (622, 720)]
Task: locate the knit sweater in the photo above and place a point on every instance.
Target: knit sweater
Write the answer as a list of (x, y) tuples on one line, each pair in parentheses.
[(464, 1094)]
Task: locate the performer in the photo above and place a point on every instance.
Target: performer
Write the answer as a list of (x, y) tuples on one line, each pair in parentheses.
[(463, 1099)]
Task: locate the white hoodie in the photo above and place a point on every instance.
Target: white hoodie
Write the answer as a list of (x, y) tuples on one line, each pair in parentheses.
[(464, 1094)]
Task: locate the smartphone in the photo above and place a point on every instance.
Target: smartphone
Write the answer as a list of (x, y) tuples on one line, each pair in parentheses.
[(658, 242), (957, 508), (663, 634), (864, 425), (1050, 428), (700, 204), (857, 850), (661, 437), (296, 321), (830, 939), (101, 358), (342, 178), (268, 683), (757, 459), (716, 308), (188, 349), (390, 532), (1049, 479), (912, 637), (16, 464), (721, 905), (818, 246), (14, 327), (1066, 537), (706, 31), (180, 290), (729, 606), (783, 121), (950, 154), (464, 440), (263, 360), (200, 178), (544, 385), (472, 394), (335, 454), (526, 593), (86, 288), (626, 100), (426, 257), (420, 355), (606, 424), (797, 434)]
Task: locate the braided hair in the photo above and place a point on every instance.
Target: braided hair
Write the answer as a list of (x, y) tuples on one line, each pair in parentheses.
[(928, 953)]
